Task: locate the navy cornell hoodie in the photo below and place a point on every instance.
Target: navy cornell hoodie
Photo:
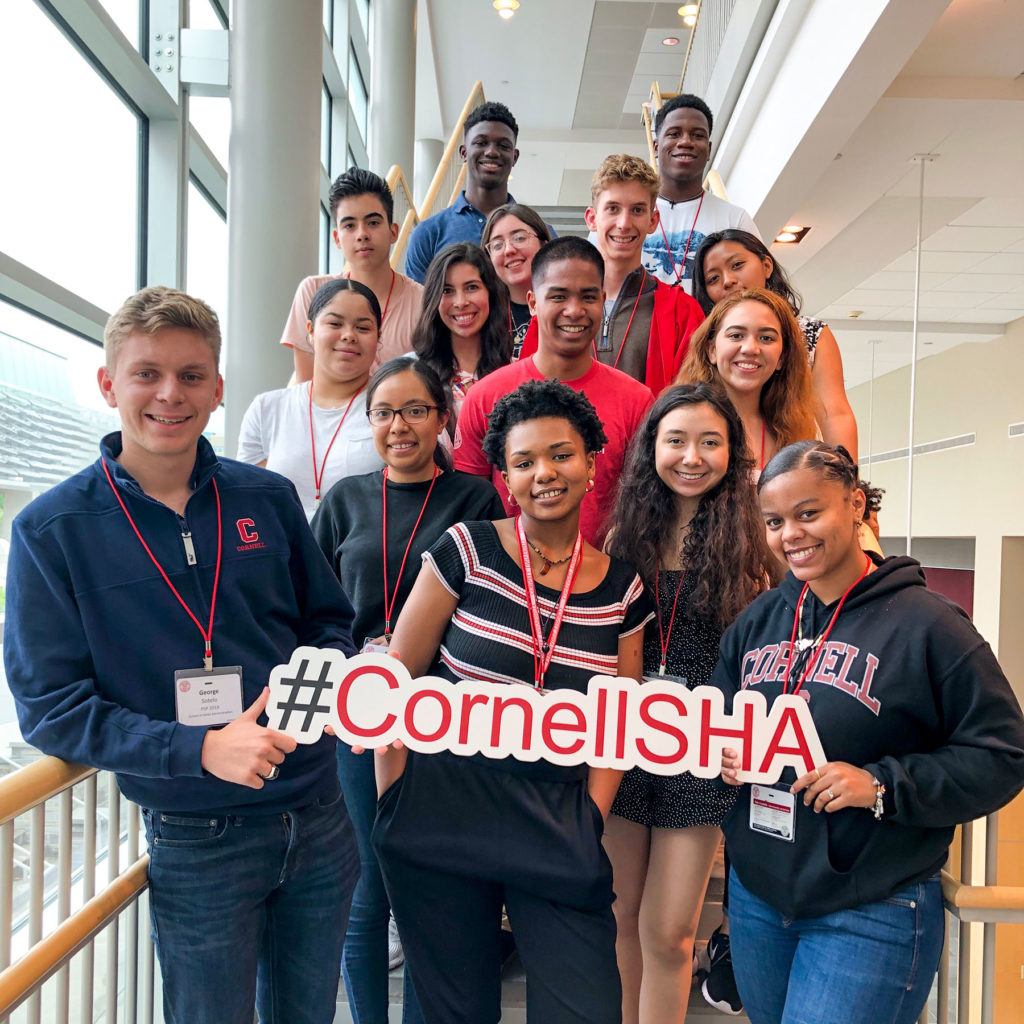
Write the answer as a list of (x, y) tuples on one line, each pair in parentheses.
[(94, 634), (905, 688)]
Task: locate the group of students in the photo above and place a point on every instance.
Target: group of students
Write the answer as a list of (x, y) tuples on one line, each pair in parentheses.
[(639, 491)]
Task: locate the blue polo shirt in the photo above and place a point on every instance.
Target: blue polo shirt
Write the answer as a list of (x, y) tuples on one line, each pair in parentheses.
[(460, 222)]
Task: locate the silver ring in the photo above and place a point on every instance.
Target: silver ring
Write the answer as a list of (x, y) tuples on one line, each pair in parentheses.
[(831, 795), (272, 774)]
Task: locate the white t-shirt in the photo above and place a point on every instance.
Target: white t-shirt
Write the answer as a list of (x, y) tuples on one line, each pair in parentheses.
[(276, 429), (665, 261)]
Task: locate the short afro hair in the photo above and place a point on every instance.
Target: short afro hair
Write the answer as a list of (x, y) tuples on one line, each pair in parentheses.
[(684, 99), (558, 250), (490, 112), (539, 399)]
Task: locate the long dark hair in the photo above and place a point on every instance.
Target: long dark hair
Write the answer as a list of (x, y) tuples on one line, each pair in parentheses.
[(430, 380), (778, 279), (725, 546), (431, 340)]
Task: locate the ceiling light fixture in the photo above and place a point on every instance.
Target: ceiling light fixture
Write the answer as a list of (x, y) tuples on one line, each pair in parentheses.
[(506, 8), (688, 12), (670, 41), (792, 233)]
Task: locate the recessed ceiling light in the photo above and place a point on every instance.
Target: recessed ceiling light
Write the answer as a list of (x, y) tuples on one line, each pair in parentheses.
[(505, 8), (792, 233), (688, 12), (670, 41)]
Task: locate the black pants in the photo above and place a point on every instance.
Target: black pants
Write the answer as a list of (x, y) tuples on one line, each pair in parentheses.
[(457, 839)]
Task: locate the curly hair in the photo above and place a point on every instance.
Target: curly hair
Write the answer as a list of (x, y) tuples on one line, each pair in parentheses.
[(539, 399), (777, 281), (621, 168), (786, 401), (490, 111), (432, 341), (683, 99), (725, 546)]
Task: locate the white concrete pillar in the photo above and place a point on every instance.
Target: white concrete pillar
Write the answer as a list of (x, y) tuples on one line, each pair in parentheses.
[(428, 156), (393, 85), (273, 189)]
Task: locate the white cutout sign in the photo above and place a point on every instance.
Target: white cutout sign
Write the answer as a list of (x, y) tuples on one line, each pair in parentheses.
[(370, 700)]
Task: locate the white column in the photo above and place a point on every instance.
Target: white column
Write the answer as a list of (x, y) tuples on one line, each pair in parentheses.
[(273, 188), (393, 85), (428, 156)]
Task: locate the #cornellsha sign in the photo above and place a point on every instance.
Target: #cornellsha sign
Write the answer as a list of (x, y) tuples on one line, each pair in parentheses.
[(370, 700)]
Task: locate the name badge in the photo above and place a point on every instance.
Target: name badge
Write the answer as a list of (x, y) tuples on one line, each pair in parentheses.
[(773, 812), (208, 698)]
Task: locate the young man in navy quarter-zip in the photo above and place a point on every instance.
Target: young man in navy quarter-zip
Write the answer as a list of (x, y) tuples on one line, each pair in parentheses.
[(148, 598)]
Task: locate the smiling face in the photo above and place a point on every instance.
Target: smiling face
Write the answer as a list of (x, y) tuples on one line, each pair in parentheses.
[(345, 338), (514, 261), (569, 304), (748, 347), (363, 233), (691, 451), (683, 146), (547, 467), (490, 154), (464, 305), (407, 448), (729, 267), (811, 525), (164, 386), (622, 218)]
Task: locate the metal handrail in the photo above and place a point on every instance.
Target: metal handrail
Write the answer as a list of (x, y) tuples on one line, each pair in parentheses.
[(403, 201), (46, 957), (36, 783)]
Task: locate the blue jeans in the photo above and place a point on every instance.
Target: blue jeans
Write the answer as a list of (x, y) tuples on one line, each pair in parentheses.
[(364, 963), (251, 912), (873, 964)]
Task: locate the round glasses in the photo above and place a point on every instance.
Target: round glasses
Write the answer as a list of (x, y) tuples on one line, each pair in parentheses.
[(412, 414), (517, 238)]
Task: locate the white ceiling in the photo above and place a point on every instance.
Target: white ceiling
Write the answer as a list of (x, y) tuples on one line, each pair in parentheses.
[(960, 97), (575, 73)]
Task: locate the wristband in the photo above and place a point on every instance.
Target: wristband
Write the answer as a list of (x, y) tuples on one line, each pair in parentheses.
[(879, 793)]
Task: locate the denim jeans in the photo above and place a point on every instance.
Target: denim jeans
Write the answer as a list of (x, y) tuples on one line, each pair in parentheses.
[(873, 964), (251, 912), (364, 963)]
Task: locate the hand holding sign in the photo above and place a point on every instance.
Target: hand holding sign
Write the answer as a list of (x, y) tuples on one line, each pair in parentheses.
[(370, 700)]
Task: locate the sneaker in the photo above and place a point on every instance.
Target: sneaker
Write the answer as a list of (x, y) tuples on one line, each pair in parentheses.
[(396, 957), (718, 981)]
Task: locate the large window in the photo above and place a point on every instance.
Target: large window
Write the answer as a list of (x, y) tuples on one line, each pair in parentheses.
[(357, 94), (69, 175)]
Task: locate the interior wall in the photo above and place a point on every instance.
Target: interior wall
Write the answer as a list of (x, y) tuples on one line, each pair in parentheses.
[(973, 491)]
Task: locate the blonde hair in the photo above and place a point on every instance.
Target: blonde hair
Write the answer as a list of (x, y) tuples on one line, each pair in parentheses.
[(786, 401), (622, 167), (155, 308)]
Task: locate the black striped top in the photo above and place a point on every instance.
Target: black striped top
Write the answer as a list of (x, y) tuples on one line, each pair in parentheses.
[(489, 635)]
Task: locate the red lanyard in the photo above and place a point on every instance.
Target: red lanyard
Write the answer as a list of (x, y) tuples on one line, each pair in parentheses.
[(318, 474), (208, 632), (681, 273), (822, 637), (544, 649), (387, 301), (665, 638), (622, 344), (389, 607)]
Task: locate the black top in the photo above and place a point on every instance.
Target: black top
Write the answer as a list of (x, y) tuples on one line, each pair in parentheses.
[(348, 524), (692, 643), (905, 688), (520, 313)]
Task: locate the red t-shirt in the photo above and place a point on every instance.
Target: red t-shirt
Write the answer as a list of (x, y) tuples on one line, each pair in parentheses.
[(620, 401)]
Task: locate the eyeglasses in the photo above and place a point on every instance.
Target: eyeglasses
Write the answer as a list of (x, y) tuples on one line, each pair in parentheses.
[(517, 238), (412, 414)]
